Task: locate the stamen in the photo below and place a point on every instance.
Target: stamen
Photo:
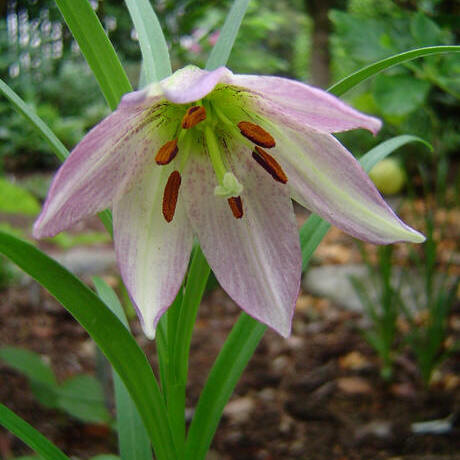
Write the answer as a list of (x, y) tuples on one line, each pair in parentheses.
[(193, 116), (269, 164), (256, 134), (236, 205), (170, 195), (167, 153)]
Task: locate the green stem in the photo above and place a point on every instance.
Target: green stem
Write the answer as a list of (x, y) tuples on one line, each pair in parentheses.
[(194, 290), (225, 373), (180, 327), (175, 398)]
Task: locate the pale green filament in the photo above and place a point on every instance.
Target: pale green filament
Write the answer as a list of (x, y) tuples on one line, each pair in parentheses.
[(228, 183), (214, 153)]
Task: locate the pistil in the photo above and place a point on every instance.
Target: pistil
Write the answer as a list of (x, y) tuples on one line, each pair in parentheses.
[(228, 187)]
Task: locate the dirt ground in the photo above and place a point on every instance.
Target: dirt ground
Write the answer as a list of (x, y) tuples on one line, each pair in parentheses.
[(316, 395)]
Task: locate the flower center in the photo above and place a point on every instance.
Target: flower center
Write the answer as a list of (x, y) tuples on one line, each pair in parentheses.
[(207, 119)]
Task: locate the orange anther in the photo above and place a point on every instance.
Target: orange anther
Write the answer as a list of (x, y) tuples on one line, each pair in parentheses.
[(236, 205), (170, 195), (193, 116), (256, 134), (167, 153), (269, 164)]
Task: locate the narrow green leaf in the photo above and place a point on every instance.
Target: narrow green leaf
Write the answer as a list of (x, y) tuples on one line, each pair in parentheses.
[(181, 318), (107, 331), (225, 373), (29, 435), (381, 151), (311, 234), (82, 397), (315, 228), (222, 49), (97, 49), (133, 441), (155, 56), (20, 106), (357, 77)]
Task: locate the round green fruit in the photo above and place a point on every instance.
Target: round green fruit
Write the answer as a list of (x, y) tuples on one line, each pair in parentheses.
[(388, 176)]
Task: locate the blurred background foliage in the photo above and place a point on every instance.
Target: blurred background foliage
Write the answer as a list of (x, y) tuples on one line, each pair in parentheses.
[(318, 41)]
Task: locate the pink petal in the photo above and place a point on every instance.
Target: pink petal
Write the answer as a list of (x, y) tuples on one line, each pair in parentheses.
[(191, 84), (285, 100), (256, 258), (104, 164), (152, 254), (325, 178), (186, 85)]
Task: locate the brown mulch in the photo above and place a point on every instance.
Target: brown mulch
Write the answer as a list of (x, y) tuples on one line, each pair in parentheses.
[(317, 395)]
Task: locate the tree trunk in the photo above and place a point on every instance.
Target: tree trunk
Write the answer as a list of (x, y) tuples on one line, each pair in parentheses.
[(320, 56)]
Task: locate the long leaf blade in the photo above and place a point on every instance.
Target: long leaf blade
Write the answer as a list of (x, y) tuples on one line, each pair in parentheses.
[(29, 435), (155, 54), (133, 441), (359, 76), (222, 49), (315, 228), (97, 49), (103, 326), (225, 373), (42, 128)]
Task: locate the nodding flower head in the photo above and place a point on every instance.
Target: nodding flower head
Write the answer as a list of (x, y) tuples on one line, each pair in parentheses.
[(219, 156)]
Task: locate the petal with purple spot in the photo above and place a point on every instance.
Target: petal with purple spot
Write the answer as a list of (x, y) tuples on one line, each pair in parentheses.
[(152, 254), (256, 258)]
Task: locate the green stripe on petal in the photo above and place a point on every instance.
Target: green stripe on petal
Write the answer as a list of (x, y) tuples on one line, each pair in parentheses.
[(325, 178)]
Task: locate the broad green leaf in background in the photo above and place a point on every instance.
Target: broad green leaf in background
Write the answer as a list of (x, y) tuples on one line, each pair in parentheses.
[(222, 49), (363, 37), (29, 435), (347, 83), (108, 457), (97, 49), (28, 363), (155, 56), (398, 95), (133, 441), (103, 326), (16, 200), (41, 378), (83, 398), (425, 31), (79, 396)]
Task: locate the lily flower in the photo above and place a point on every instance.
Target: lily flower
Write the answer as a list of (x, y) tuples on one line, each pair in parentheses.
[(219, 156)]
